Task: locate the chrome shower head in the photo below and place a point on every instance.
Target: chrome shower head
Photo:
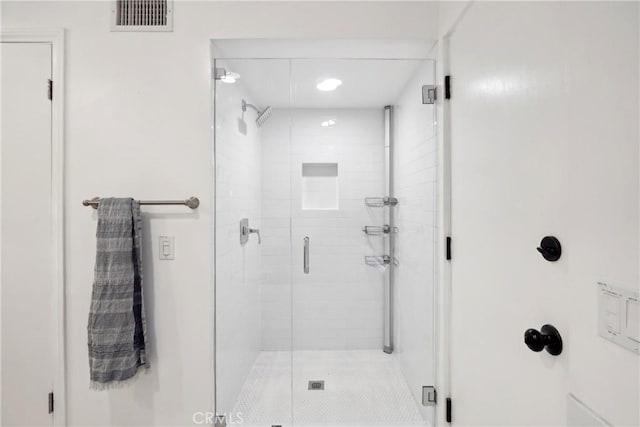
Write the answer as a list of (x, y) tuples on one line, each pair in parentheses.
[(263, 115)]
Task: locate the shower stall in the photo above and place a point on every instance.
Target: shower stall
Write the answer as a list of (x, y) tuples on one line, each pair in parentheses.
[(325, 232)]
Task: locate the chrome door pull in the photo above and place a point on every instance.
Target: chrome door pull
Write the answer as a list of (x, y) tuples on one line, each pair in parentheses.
[(306, 255)]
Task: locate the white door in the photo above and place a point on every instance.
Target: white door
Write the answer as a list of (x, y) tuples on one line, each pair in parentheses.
[(532, 155), (27, 297), (508, 148)]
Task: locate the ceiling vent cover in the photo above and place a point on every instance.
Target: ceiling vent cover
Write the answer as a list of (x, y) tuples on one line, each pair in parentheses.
[(142, 15)]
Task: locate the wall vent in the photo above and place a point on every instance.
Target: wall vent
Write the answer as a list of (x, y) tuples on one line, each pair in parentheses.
[(142, 15), (316, 385)]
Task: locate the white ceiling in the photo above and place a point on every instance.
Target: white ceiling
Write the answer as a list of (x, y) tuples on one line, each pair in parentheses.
[(322, 48), (283, 83)]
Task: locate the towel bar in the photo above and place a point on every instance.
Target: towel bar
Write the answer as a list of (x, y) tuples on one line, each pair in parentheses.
[(191, 202)]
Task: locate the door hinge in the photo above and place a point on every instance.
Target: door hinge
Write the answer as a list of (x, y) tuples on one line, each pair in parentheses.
[(447, 87), (429, 395), (51, 403), (448, 248), (448, 410), (50, 89), (429, 94)]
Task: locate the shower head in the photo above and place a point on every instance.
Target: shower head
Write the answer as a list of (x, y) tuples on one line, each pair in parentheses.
[(263, 115)]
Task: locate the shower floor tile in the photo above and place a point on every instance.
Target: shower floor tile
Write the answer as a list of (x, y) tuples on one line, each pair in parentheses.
[(361, 388)]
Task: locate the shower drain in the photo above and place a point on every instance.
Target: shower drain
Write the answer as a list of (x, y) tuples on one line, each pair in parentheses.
[(316, 385)]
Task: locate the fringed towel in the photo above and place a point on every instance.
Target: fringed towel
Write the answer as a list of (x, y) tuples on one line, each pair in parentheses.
[(117, 328)]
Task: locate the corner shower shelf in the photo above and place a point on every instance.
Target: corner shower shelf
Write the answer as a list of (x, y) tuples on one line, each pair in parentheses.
[(375, 230), (375, 261), (378, 202)]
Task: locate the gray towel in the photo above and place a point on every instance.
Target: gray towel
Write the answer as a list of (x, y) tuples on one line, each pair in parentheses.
[(117, 328)]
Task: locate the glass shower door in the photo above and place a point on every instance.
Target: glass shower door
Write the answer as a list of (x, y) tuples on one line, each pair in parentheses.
[(362, 267)]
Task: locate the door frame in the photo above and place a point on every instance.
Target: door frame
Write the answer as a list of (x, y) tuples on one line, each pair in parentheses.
[(440, 51), (56, 38)]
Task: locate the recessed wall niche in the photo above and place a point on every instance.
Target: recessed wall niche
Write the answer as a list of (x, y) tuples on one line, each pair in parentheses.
[(319, 186)]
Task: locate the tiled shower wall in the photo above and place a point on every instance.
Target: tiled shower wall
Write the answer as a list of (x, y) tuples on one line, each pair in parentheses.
[(338, 305)]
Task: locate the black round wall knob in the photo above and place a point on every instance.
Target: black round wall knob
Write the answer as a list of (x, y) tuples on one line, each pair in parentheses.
[(550, 248), (548, 337), (534, 340)]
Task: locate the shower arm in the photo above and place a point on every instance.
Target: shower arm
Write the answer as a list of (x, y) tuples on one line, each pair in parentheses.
[(245, 104)]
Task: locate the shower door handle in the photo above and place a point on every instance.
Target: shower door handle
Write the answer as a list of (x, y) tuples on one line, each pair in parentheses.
[(305, 256)]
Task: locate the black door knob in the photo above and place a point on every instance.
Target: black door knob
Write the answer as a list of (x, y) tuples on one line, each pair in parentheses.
[(548, 337)]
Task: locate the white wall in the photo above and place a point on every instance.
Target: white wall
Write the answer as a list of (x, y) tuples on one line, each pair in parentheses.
[(603, 233), (415, 188), (238, 267), (539, 148), (138, 122), (338, 305)]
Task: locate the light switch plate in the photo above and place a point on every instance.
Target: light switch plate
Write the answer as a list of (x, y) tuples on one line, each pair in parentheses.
[(167, 247), (618, 316)]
